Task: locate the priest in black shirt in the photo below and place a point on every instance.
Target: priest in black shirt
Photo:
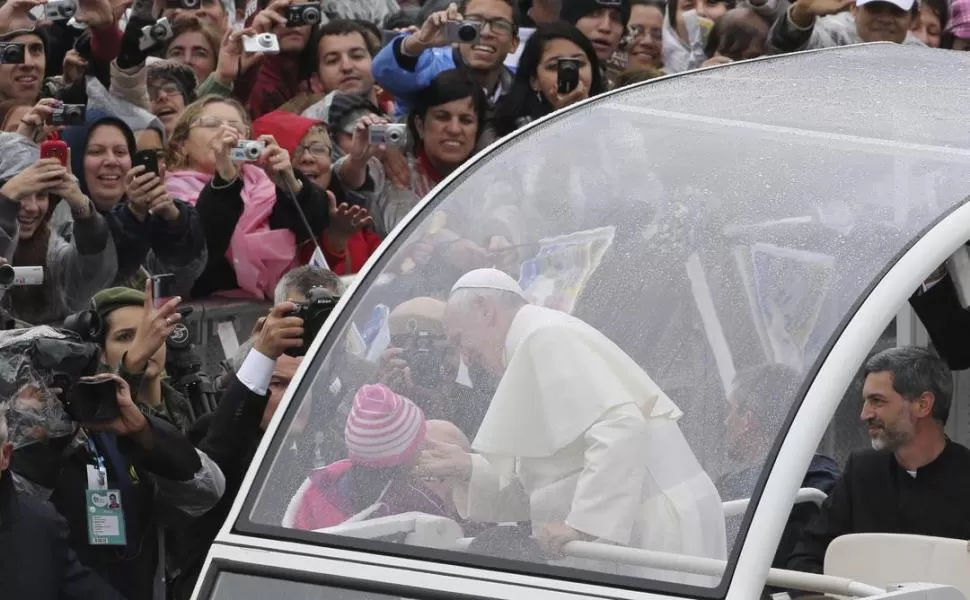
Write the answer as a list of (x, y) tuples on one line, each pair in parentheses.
[(914, 480)]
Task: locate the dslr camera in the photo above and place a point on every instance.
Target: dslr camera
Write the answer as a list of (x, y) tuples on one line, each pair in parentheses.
[(155, 34), (13, 53), (314, 312), (462, 32), (247, 151), (425, 358), (69, 115), (394, 134), (298, 15), (60, 10), (266, 43)]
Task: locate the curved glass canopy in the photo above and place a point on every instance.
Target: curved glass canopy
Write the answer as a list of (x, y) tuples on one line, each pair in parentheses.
[(719, 227)]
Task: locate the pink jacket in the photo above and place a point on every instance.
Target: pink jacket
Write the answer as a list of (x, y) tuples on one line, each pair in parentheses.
[(259, 255)]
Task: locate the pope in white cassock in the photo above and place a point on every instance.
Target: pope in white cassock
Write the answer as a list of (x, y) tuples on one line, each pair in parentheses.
[(577, 439)]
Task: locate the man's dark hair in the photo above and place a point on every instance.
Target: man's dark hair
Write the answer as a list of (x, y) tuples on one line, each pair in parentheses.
[(448, 86), (916, 371), (305, 278), (513, 4), (658, 4)]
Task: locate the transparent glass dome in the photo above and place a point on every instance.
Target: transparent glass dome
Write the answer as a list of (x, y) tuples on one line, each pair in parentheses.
[(718, 227)]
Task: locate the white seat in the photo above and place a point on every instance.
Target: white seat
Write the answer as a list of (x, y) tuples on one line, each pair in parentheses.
[(883, 559)]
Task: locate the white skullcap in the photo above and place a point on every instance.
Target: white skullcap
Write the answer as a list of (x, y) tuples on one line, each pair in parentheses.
[(488, 279)]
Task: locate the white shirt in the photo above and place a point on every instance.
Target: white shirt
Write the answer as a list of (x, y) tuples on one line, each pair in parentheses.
[(256, 372)]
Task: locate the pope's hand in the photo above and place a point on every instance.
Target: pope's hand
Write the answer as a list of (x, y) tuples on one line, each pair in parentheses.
[(445, 461), (552, 537)]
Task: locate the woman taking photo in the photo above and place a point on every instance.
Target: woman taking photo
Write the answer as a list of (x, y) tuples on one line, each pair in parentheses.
[(249, 215), (73, 270), (535, 89)]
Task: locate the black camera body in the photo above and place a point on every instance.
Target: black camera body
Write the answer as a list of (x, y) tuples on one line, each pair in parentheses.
[(425, 359), (13, 53), (184, 4), (92, 401), (314, 313), (69, 115), (567, 75), (298, 15)]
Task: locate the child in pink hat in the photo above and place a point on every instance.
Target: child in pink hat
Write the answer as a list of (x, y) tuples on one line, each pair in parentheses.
[(384, 434)]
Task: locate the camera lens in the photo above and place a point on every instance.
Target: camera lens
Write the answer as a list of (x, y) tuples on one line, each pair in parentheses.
[(11, 55), (6, 275), (467, 33), (311, 16), (68, 10), (266, 40), (252, 151), (394, 136)]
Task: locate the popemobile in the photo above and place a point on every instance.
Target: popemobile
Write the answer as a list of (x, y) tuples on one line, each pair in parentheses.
[(660, 343)]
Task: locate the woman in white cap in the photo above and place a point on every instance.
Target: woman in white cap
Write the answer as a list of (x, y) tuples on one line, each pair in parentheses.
[(578, 427), (384, 434)]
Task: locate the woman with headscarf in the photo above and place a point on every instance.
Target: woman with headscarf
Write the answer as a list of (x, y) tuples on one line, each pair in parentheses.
[(149, 226)]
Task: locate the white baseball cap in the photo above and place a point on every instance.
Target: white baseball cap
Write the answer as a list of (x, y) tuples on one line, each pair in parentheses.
[(902, 4), (488, 279)]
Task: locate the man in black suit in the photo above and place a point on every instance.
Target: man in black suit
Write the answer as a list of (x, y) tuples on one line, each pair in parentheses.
[(915, 480), (35, 559)]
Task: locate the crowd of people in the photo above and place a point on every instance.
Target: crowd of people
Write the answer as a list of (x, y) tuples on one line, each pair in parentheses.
[(258, 150)]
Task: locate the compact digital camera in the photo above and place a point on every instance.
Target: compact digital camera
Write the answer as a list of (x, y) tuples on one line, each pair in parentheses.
[(60, 10), (314, 313), (395, 134), (264, 43), (155, 34), (247, 151), (13, 53), (298, 15), (462, 32), (69, 115), (567, 75)]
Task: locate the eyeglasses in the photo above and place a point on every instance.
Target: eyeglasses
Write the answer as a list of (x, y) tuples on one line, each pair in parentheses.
[(169, 89), (315, 149), (216, 123), (496, 24)]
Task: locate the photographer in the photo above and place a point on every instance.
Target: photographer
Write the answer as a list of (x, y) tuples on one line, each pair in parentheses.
[(133, 345), (35, 559)]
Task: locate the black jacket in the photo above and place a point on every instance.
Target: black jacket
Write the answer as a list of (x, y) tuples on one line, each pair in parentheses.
[(220, 205), (946, 321), (36, 562), (876, 495)]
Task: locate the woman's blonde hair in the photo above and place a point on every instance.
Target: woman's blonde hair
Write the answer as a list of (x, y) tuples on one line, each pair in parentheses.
[(175, 158)]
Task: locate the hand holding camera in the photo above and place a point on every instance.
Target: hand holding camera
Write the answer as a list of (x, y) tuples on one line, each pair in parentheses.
[(276, 161), (156, 325), (569, 87), (441, 29), (271, 17), (14, 14), (368, 138), (34, 125), (95, 393), (222, 145), (280, 331), (234, 60)]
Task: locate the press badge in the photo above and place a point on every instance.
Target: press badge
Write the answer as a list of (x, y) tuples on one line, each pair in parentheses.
[(106, 518)]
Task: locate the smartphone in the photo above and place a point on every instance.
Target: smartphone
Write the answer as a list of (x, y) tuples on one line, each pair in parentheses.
[(147, 159), (55, 149), (93, 401), (163, 288)]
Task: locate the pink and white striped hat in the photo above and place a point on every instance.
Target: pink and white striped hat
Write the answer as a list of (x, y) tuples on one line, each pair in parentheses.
[(384, 429)]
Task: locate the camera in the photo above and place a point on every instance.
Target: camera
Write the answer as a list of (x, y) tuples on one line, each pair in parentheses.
[(264, 42), (69, 115), (60, 10), (155, 34), (163, 288), (13, 53), (314, 313), (302, 14), (86, 324), (567, 75), (462, 32), (425, 358), (14, 276), (247, 151), (184, 4), (92, 401), (395, 134)]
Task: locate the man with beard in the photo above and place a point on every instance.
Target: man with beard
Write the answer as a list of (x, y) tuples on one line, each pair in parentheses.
[(915, 480), (815, 24), (410, 62), (23, 81)]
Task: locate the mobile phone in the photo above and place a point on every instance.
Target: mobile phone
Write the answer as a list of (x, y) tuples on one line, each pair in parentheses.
[(567, 75), (93, 401), (163, 288), (54, 149), (147, 159)]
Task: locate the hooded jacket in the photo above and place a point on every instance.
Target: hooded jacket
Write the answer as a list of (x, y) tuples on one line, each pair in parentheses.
[(162, 247), (289, 130), (826, 32)]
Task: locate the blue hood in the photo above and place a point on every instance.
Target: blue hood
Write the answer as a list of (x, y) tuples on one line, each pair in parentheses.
[(77, 139)]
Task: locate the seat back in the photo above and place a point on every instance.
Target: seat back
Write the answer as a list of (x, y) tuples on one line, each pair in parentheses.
[(882, 559)]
